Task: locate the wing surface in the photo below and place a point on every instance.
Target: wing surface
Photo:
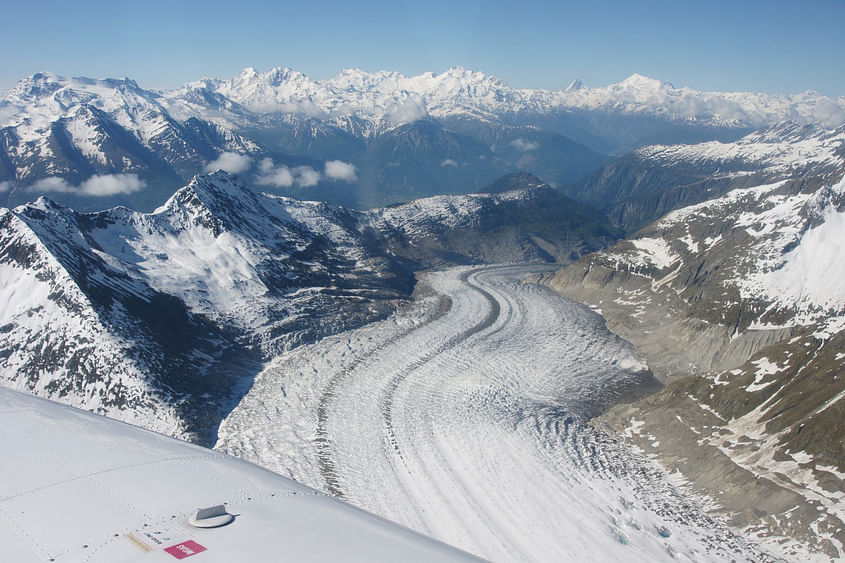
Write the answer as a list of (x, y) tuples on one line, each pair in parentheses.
[(75, 486)]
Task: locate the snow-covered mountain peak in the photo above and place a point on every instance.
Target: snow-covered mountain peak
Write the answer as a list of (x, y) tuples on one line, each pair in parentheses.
[(33, 87), (219, 182), (45, 84), (275, 76), (355, 78), (45, 97), (279, 75), (464, 81), (576, 84), (247, 73), (206, 82), (216, 201), (643, 83), (274, 90), (43, 203), (467, 75), (221, 206)]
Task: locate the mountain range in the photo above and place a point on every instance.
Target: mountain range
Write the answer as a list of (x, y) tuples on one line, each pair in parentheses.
[(359, 139)]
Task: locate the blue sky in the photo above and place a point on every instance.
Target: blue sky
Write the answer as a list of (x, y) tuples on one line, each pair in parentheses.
[(740, 45)]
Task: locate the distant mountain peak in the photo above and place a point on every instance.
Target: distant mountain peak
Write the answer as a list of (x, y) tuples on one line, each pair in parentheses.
[(515, 181), (575, 85), (476, 76), (275, 77), (35, 86), (43, 77), (641, 82), (459, 70)]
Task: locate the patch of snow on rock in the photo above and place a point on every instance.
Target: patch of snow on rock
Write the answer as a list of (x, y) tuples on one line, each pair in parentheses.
[(654, 251)]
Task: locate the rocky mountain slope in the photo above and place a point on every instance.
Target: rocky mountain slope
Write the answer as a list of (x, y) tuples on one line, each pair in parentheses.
[(172, 311), (738, 304), (648, 183), (359, 139), (518, 217), (164, 318)]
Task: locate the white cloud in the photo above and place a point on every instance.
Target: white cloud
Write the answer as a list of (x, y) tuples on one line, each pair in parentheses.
[(339, 170), (51, 184), (828, 112), (305, 107), (9, 114), (266, 165), (111, 184), (523, 145), (449, 162), (96, 186), (306, 176), (283, 177), (406, 111), (230, 162), (270, 175), (5, 186)]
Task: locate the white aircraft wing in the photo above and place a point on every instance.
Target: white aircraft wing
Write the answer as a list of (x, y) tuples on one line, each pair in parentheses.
[(75, 486)]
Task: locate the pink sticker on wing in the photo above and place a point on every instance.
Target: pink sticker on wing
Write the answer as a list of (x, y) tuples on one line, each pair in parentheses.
[(185, 549)]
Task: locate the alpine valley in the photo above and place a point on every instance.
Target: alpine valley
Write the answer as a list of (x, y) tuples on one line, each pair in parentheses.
[(599, 323)]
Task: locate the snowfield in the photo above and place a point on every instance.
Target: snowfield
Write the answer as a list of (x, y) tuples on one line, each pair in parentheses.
[(465, 417)]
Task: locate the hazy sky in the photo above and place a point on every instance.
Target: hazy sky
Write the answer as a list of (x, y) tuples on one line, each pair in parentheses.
[(737, 45)]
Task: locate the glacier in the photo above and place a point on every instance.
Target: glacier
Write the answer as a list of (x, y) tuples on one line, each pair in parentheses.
[(466, 416)]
